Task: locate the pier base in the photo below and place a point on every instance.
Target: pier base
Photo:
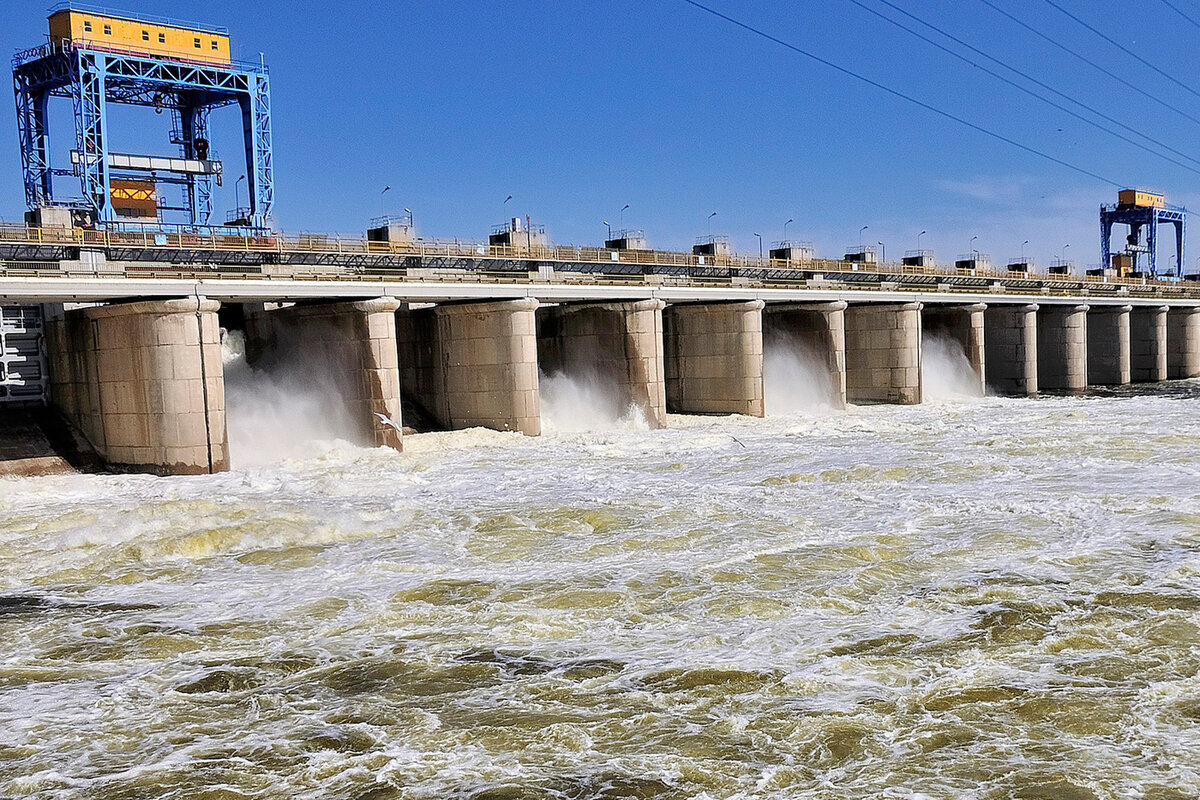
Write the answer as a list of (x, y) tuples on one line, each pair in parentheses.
[(1148, 343), (963, 324), (714, 358), (818, 329), (1183, 343), (883, 353), (143, 383), (1010, 339), (1108, 346), (351, 346), (621, 344), (473, 364), (1062, 348)]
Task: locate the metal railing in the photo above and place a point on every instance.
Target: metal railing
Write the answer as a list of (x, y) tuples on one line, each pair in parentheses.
[(310, 243)]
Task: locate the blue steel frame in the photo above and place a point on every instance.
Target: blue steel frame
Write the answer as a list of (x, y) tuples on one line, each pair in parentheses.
[(1138, 217), (92, 77)]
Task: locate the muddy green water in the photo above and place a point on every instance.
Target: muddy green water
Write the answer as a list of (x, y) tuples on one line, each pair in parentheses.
[(996, 599)]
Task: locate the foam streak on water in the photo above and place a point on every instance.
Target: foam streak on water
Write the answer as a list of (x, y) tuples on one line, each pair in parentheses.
[(988, 600)]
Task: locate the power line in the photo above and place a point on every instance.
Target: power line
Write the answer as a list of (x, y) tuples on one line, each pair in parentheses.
[(1119, 79), (1123, 48), (1176, 9), (763, 34), (1035, 81)]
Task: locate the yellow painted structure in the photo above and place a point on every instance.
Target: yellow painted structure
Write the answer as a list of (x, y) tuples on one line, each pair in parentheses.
[(133, 198), (130, 35), (1136, 197)]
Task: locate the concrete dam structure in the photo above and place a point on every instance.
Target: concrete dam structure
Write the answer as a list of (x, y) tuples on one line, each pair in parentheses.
[(132, 358)]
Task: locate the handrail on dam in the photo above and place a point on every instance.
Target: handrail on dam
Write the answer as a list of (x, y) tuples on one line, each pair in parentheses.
[(780, 273)]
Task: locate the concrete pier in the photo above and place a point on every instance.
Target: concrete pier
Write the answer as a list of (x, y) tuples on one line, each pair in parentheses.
[(473, 364), (963, 324), (714, 358), (1108, 362), (1183, 343), (1148, 343), (619, 344), (348, 347), (883, 353), (818, 330), (1011, 345), (143, 384), (1062, 348)]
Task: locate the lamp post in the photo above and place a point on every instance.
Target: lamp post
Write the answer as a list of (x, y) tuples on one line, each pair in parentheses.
[(1063, 256), (760, 253), (411, 223), (919, 235), (386, 189), (882, 253), (608, 228), (789, 222), (860, 233), (623, 215), (237, 201), (973, 238), (710, 216)]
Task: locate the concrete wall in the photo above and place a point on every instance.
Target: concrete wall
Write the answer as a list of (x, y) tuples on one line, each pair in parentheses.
[(815, 331), (963, 324), (1108, 345), (619, 344), (473, 364), (143, 383), (1148, 343), (1011, 344), (1183, 343), (883, 353), (1062, 348), (346, 347), (714, 358)]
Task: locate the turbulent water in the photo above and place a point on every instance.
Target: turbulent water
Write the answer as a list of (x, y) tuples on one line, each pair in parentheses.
[(989, 599)]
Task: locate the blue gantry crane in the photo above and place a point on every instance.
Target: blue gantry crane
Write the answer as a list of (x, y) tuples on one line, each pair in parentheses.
[(1143, 212), (95, 58)]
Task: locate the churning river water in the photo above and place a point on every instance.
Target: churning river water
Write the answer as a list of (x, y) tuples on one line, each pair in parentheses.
[(983, 599)]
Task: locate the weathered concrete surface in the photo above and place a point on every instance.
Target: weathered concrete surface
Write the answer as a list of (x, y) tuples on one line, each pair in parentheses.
[(1183, 343), (1062, 348), (1010, 339), (25, 450), (963, 324), (883, 353), (347, 347), (714, 358), (1108, 351), (620, 343), (817, 331), (473, 364), (143, 383), (1148, 343)]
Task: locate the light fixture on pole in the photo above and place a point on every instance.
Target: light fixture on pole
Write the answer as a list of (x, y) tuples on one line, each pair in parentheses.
[(973, 238), (386, 189), (608, 228), (919, 235), (860, 233), (623, 215), (1063, 257), (760, 252), (237, 202), (789, 222), (1023, 250), (882, 252), (411, 224), (710, 216)]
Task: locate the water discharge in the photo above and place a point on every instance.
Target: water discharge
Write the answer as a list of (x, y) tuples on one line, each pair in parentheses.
[(795, 381), (285, 413), (946, 373), (991, 601), (582, 401)]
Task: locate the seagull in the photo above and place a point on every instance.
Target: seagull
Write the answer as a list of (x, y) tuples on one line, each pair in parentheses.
[(384, 419)]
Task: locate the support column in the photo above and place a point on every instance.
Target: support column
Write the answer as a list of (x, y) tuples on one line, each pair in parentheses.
[(473, 364), (963, 324), (143, 383), (350, 346), (621, 342), (1108, 345), (1148, 343), (1062, 348), (1183, 342), (883, 353), (817, 328), (714, 358), (1010, 339)]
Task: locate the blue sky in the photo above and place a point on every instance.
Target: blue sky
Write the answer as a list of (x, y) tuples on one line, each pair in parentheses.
[(576, 109)]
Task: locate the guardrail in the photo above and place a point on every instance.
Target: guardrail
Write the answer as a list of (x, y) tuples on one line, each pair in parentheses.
[(312, 243)]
